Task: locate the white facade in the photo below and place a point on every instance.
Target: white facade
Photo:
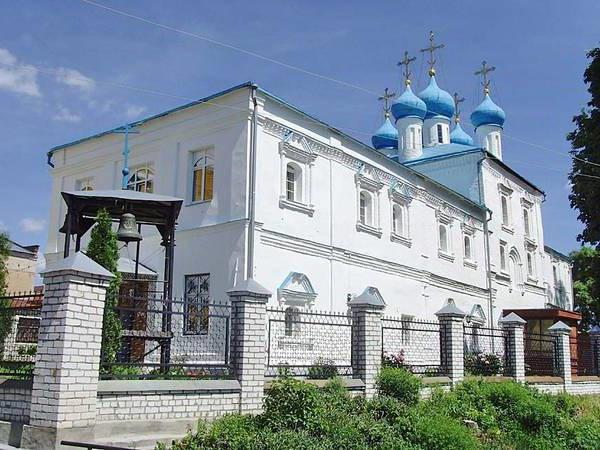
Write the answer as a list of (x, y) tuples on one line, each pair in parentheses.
[(326, 207)]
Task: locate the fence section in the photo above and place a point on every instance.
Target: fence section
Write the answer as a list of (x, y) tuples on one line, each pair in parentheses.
[(540, 352), (308, 343), (485, 351), (414, 344), (169, 338), (19, 328), (584, 354)]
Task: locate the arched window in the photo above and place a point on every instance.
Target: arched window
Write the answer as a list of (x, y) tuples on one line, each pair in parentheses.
[(365, 209), (555, 275), (516, 277), (292, 320), (502, 258), (293, 183), (530, 264), (398, 220), (203, 172), (526, 221), (443, 237), (142, 180), (468, 250), (413, 137), (440, 133), (86, 184), (504, 203)]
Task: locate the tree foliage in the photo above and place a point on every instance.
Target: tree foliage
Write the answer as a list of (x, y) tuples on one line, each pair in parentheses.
[(103, 248), (585, 143), (5, 313), (586, 284)]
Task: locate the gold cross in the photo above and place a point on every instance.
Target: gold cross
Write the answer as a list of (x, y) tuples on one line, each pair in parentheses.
[(385, 98), (431, 49), (406, 62), (485, 69), (457, 101)]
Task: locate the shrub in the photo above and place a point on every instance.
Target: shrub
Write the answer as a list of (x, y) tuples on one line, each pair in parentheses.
[(399, 384), (485, 364), (291, 404), (322, 369), (396, 360)]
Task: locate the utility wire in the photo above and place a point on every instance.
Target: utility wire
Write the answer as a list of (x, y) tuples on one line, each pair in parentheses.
[(226, 45), (288, 66)]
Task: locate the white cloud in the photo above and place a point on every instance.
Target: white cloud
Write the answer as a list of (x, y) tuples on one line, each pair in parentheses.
[(17, 77), (65, 115), (30, 225), (134, 111), (74, 78)]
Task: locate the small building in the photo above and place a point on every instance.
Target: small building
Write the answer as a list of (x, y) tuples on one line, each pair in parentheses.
[(21, 263)]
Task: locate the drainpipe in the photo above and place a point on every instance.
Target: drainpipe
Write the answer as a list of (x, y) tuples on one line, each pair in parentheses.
[(252, 186)]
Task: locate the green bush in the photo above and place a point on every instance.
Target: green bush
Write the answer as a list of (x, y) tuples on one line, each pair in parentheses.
[(399, 384), (291, 404), (485, 364), (322, 369)]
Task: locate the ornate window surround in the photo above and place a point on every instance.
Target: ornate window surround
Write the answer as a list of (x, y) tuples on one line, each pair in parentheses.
[(446, 220), (374, 188), (469, 231), (402, 201), (304, 158), (506, 191)]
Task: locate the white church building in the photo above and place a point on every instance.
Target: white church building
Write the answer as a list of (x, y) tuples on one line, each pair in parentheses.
[(270, 192)]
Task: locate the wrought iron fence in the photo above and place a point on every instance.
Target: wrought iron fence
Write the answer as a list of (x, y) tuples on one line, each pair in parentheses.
[(485, 351), (169, 338), (308, 343), (584, 354), (19, 328), (414, 344), (540, 352)]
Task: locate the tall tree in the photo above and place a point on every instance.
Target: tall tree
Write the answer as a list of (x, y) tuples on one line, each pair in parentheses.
[(585, 143), (586, 285), (103, 248), (5, 312)]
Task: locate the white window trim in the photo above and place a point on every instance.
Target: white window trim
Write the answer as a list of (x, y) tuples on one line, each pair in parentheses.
[(373, 187), (305, 160), (532, 278), (506, 191), (190, 190), (469, 231), (446, 220), (403, 202)]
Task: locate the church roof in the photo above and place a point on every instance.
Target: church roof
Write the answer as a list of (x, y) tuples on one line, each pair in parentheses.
[(408, 105), (460, 136), (438, 101), (386, 136), (488, 113)]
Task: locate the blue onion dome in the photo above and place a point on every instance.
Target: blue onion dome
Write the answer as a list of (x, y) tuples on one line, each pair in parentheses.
[(386, 136), (488, 113), (438, 101), (408, 105), (459, 136)]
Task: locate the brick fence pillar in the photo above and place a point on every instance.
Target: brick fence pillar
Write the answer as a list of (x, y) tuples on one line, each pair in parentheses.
[(562, 355), (248, 330), (452, 346), (514, 346), (367, 310), (65, 378), (595, 344)]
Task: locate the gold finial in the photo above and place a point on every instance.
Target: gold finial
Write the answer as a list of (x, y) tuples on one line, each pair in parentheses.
[(431, 49), (457, 101), (485, 69), (385, 98), (406, 63)]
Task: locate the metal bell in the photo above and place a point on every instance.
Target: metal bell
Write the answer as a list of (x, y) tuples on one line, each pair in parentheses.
[(128, 231)]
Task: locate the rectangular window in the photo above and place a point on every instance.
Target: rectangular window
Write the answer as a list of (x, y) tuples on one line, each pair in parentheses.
[(290, 183), (203, 171), (196, 303), (502, 257), (527, 221), (440, 133), (413, 140), (530, 264), (27, 330), (505, 211)]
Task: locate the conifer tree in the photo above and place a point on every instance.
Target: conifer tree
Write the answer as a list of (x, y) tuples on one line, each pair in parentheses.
[(103, 248)]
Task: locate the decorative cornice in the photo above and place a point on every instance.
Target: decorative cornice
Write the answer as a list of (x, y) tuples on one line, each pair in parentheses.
[(301, 154), (327, 151)]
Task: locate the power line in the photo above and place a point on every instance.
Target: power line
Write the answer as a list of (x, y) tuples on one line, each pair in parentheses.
[(226, 45)]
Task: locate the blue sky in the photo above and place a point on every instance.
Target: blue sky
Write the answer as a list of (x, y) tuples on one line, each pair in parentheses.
[(57, 56)]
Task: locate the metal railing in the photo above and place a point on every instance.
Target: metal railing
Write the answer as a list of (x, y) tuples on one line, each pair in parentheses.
[(308, 343), (485, 351), (169, 338), (93, 446), (413, 344), (584, 354), (540, 353), (19, 328)]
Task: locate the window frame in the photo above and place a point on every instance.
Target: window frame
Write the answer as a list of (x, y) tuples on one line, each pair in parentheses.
[(399, 203), (85, 184), (444, 221), (149, 169), (371, 188), (200, 161), (203, 310), (292, 151)]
